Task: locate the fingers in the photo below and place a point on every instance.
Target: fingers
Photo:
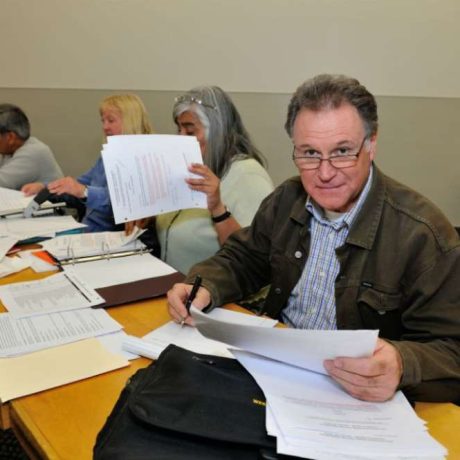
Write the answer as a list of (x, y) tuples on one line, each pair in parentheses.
[(66, 185), (143, 223), (129, 227), (207, 179), (32, 188), (177, 296), (370, 379), (200, 169)]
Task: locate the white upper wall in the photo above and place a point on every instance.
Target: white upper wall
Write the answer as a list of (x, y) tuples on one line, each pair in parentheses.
[(395, 47)]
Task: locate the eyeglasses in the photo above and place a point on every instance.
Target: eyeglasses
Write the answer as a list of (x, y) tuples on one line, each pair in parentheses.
[(342, 157), (192, 99)]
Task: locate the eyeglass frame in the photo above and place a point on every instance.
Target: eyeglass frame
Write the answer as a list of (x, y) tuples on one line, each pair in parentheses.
[(193, 99), (330, 159)]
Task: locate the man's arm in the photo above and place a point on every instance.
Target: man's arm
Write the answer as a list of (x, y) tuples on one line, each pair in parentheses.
[(18, 171), (242, 266)]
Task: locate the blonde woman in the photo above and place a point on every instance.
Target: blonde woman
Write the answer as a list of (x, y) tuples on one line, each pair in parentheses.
[(120, 114)]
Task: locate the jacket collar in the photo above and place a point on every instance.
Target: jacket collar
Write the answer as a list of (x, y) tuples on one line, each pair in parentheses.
[(364, 229)]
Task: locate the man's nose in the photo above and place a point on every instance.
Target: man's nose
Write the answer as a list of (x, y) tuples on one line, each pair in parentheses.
[(326, 171)]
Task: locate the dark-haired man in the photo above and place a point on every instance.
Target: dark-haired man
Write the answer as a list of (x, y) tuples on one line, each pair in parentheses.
[(23, 158), (346, 247)]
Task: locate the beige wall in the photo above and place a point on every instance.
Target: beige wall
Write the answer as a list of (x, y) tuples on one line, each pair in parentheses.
[(397, 47), (69, 54)]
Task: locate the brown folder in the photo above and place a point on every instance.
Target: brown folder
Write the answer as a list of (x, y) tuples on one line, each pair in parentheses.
[(138, 290)]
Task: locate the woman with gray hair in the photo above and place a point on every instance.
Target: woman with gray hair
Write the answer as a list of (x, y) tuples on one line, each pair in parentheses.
[(232, 176)]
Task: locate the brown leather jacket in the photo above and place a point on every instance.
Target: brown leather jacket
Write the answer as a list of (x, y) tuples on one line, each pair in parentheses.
[(399, 273)]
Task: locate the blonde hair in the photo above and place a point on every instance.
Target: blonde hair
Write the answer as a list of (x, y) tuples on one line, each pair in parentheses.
[(132, 110)]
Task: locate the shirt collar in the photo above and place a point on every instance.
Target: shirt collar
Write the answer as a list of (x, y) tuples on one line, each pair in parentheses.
[(348, 217)]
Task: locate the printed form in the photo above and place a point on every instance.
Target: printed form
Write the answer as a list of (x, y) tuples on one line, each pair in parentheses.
[(146, 174), (95, 243), (25, 335), (59, 292)]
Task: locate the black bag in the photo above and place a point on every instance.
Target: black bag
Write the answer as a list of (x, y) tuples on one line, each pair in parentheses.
[(188, 406)]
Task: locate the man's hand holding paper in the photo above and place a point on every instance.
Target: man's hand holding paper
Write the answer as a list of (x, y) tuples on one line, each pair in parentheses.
[(372, 379)]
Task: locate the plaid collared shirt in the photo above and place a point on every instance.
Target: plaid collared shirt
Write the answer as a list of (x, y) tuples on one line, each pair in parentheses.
[(311, 304)]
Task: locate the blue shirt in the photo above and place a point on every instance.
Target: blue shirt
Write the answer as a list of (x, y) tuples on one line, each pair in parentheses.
[(99, 213), (311, 304)]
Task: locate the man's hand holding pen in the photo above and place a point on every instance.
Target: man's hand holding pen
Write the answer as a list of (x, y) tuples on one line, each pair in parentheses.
[(181, 297)]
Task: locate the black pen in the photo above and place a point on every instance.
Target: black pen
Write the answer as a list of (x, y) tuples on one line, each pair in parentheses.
[(191, 297)]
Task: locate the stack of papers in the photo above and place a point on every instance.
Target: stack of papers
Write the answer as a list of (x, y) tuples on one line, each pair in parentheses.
[(47, 226), (11, 265), (110, 272), (6, 243), (59, 292), (308, 412), (14, 202), (151, 179), (74, 246), (26, 335), (152, 344)]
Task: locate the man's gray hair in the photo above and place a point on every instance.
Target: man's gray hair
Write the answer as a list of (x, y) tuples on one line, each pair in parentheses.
[(330, 92), (226, 136), (13, 119)]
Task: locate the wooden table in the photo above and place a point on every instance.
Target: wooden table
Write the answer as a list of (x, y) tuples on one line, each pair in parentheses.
[(62, 423)]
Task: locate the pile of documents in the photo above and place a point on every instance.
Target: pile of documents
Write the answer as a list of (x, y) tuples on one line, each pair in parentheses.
[(152, 344), (151, 179), (310, 415), (15, 227), (70, 248), (50, 320)]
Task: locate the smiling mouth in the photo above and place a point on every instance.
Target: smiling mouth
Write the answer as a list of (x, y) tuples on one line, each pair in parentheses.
[(328, 187)]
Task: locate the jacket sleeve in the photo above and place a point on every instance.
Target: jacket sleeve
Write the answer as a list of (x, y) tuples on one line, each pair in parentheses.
[(98, 195), (242, 266), (430, 343)]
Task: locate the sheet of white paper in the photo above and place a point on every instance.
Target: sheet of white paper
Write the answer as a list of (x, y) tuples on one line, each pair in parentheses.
[(300, 347), (14, 201), (189, 338), (38, 265), (59, 292), (315, 418), (114, 343), (111, 272), (23, 229), (146, 174), (6, 243), (95, 243), (11, 265), (25, 335)]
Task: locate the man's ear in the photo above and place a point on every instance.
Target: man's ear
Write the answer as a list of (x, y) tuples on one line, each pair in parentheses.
[(372, 146)]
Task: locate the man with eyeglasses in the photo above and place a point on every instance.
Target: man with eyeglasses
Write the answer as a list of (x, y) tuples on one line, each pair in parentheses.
[(346, 247)]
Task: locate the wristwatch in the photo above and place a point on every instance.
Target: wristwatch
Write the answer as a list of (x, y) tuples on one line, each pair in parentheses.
[(85, 193), (222, 217)]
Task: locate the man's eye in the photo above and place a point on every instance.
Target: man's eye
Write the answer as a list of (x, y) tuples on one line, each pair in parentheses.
[(312, 153), (343, 151)]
